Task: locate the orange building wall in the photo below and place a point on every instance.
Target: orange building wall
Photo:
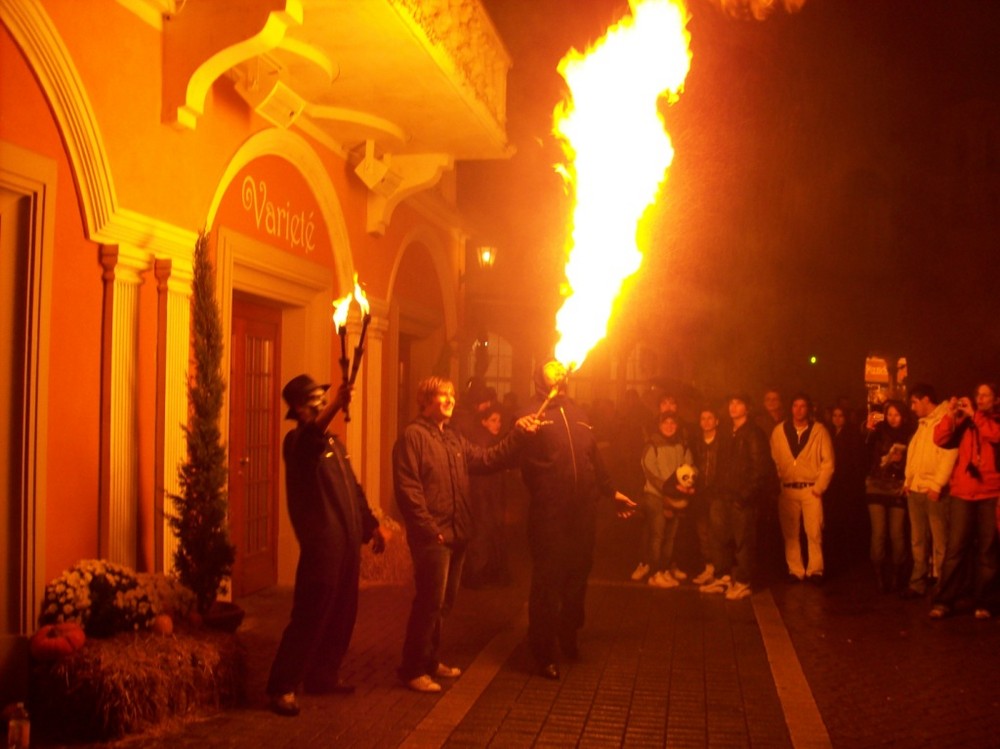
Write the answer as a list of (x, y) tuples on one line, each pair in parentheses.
[(75, 323), (166, 173)]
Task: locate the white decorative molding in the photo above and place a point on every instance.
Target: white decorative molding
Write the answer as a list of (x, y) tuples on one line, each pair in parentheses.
[(195, 35), (104, 221), (36, 35), (294, 149), (118, 525), (173, 353), (461, 36), (403, 176)]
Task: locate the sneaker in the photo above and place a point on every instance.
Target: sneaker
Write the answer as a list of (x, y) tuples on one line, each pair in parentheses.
[(423, 683), (938, 612), (705, 575), (678, 574), (716, 585), (982, 614), (284, 704), (447, 672), (663, 580), (640, 571), (738, 591)]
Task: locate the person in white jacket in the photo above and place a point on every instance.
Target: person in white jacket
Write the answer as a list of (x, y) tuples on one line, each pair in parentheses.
[(928, 468), (803, 453)]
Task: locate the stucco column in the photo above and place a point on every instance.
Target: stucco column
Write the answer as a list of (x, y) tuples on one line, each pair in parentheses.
[(173, 344), (364, 428), (119, 476), (373, 404)]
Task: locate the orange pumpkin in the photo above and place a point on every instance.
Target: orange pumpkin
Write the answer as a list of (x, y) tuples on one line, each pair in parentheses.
[(163, 624), (54, 641)]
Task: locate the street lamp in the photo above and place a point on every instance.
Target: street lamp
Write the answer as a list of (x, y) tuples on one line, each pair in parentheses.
[(486, 255)]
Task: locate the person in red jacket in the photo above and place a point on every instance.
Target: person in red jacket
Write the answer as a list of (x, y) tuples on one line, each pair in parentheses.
[(975, 486)]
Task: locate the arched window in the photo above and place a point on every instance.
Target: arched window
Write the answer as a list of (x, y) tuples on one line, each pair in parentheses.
[(499, 358)]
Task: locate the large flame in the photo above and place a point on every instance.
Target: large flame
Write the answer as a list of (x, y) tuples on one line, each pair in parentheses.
[(618, 153)]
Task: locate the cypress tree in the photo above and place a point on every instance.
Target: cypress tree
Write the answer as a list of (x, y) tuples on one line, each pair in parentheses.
[(204, 555)]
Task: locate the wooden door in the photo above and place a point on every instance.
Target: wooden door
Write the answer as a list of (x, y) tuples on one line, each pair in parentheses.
[(15, 245), (254, 450)]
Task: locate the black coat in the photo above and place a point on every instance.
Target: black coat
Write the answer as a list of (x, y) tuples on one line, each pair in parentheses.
[(745, 466), (430, 475), (562, 468), (328, 508)]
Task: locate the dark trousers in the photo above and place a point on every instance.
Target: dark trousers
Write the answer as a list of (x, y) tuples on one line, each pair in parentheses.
[(733, 529), (437, 572), (561, 563), (324, 609), (972, 527)]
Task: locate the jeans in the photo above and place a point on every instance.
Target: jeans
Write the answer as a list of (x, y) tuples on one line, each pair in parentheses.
[(887, 521), (660, 534), (795, 505), (437, 571), (973, 527), (927, 515), (734, 539)]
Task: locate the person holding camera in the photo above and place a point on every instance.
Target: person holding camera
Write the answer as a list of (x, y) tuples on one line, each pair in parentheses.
[(975, 486)]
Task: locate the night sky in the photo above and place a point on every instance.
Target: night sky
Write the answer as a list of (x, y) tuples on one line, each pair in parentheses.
[(835, 193)]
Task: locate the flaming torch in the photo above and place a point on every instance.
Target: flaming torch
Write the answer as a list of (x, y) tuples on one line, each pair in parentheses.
[(366, 318), (341, 310), (617, 154)]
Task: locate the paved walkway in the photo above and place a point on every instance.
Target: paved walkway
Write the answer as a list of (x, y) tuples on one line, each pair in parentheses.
[(793, 666)]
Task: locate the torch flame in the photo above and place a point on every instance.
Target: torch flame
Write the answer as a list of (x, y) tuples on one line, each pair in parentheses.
[(359, 296), (340, 309), (618, 152)]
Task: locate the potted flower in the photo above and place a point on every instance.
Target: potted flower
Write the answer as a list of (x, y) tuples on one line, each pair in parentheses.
[(205, 555)]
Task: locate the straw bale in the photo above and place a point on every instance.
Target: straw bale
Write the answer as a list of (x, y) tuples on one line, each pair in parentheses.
[(393, 566), (130, 682)]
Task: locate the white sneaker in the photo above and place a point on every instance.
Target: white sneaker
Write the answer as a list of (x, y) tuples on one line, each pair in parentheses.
[(678, 574), (447, 672), (716, 585), (738, 591), (663, 580), (705, 575), (423, 684), (640, 571)]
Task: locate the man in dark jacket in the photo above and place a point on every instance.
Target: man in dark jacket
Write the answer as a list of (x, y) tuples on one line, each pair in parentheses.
[(744, 470), (331, 519), (430, 470), (565, 477)]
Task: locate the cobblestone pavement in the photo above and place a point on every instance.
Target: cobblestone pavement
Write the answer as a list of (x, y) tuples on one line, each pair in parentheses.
[(796, 665)]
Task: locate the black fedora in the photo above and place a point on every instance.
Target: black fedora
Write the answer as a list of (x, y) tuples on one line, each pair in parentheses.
[(297, 389)]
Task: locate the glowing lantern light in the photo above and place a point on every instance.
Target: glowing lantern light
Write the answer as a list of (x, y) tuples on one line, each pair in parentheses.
[(618, 153)]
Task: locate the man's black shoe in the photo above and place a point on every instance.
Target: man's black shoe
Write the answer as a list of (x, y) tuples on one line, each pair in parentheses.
[(550, 671), (793, 578), (284, 704), (816, 579)]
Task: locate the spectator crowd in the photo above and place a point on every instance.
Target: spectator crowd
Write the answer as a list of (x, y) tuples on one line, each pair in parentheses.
[(764, 489)]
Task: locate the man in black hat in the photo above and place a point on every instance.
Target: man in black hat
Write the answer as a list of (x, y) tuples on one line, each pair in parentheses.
[(331, 519)]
